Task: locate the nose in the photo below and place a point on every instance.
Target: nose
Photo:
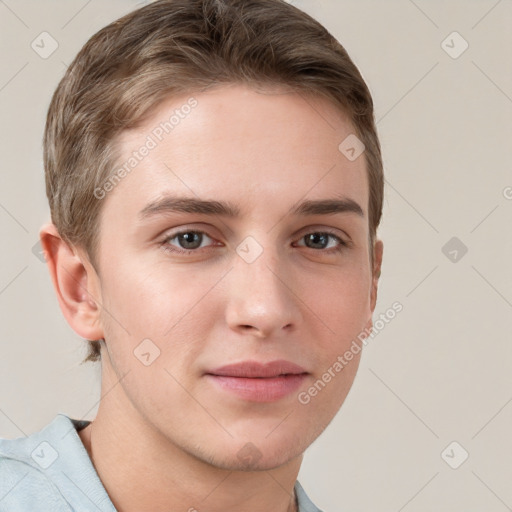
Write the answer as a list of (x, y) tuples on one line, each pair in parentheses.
[(262, 302)]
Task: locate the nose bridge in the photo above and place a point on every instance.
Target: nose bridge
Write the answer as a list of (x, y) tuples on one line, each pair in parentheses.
[(259, 293)]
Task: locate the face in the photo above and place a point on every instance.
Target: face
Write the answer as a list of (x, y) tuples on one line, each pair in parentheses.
[(198, 298)]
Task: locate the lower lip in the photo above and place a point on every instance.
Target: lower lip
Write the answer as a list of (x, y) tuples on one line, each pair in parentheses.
[(260, 389)]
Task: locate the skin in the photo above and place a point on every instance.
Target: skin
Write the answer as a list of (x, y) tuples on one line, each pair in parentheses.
[(262, 151)]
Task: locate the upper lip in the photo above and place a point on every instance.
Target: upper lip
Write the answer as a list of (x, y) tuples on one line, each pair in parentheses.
[(254, 369)]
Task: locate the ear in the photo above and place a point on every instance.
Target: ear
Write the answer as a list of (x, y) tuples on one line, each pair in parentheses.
[(378, 249), (76, 284)]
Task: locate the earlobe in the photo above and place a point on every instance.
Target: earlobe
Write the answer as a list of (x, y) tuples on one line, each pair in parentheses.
[(75, 282)]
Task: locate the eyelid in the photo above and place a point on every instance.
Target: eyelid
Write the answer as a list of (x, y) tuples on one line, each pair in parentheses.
[(187, 228), (324, 229)]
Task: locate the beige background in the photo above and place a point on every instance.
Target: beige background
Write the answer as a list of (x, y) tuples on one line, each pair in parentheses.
[(441, 370)]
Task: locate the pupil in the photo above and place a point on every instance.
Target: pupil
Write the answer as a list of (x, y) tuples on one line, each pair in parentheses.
[(315, 236), (187, 239)]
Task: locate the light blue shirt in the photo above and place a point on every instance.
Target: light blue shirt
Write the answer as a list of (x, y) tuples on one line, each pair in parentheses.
[(50, 471)]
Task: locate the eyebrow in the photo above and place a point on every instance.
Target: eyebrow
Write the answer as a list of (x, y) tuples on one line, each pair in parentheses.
[(170, 204)]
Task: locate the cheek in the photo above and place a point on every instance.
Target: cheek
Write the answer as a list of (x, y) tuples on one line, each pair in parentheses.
[(150, 300), (341, 300), (166, 306), (178, 303)]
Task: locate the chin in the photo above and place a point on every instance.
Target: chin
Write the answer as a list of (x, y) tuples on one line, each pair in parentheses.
[(252, 459), (260, 455)]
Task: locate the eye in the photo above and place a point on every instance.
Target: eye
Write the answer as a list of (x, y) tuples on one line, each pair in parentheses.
[(188, 241), (318, 240)]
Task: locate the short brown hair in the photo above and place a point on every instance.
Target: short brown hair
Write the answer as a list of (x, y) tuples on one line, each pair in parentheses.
[(173, 47)]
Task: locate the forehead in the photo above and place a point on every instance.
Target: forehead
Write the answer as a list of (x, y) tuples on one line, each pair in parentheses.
[(254, 148)]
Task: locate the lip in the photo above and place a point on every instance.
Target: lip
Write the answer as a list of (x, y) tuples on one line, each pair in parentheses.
[(259, 382), (254, 369)]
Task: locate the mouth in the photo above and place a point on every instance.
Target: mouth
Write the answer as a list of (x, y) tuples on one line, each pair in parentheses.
[(259, 382)]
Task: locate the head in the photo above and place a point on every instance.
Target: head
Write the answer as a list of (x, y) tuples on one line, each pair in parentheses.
[(246, 105)]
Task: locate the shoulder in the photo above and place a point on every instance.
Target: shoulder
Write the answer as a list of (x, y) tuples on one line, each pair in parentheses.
[(27, 470), (25, 488), (305, 504)]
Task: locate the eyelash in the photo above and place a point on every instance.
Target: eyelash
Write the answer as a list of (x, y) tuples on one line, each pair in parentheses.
[(167, 247)]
